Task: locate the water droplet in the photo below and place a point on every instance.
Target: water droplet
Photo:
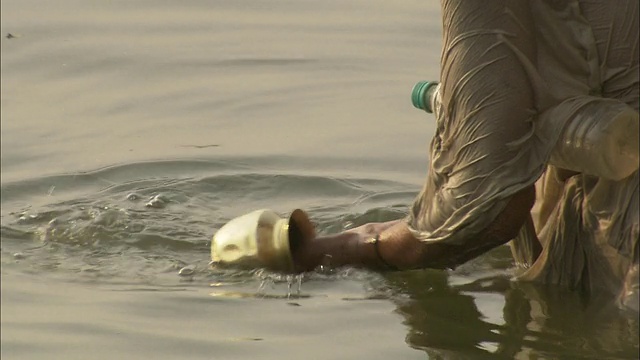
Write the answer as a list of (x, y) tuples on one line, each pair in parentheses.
[(289, 282), (188, 270), (299, 276), (157, 202), (261, 287), (325, 267), (133, 197)]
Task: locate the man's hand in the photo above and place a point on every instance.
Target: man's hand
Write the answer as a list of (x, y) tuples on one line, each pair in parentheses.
[(398, 247)]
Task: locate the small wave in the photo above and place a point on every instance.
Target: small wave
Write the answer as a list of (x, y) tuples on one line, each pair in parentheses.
[(148, 219)]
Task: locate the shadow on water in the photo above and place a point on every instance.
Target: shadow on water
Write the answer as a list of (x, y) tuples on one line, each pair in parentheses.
[(489, 316)]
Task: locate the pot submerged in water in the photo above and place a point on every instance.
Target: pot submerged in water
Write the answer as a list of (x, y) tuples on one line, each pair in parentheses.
[(261, 238)]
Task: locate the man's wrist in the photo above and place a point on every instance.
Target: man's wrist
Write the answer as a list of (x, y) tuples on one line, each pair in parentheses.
[(381, 262)]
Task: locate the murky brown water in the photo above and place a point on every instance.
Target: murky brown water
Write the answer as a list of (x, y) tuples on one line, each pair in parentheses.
[(132, 130)]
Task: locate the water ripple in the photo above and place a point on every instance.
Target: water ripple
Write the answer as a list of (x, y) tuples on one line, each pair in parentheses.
[(147, 221)]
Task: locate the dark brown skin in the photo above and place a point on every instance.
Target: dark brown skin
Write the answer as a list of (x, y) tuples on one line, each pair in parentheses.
[(400, 249)]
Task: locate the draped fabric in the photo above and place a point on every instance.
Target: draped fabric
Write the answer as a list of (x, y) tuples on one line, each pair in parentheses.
[(513, 74)]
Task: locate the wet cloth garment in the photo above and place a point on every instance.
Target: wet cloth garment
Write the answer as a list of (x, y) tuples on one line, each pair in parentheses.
[(513, 74)]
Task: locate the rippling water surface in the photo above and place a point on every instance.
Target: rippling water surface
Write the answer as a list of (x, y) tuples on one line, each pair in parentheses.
[(131, 131)]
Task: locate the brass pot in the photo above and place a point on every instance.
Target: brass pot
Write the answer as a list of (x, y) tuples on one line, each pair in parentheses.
[(261, 238)]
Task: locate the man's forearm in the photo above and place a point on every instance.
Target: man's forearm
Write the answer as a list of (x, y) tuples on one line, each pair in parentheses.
[(355, 247), (398, 248)]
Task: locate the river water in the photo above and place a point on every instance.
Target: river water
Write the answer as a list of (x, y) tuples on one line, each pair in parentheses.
[(132, 130)]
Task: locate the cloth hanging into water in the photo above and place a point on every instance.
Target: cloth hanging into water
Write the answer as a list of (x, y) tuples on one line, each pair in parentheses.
[(510, 81)]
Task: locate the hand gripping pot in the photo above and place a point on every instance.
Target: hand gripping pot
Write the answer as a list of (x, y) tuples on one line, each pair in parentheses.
[(261, 239)]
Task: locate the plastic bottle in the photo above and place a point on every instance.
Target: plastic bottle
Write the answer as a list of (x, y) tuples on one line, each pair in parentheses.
[(425, 96), (600, 137)]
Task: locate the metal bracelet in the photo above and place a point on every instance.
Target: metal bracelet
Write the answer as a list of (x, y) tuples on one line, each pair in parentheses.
[(382, 260)]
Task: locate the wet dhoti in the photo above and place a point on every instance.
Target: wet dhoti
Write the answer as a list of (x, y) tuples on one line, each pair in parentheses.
[(513, 75)]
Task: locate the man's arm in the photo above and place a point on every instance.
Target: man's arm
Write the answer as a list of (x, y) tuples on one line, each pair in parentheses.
[(398, 247), (482, 149)]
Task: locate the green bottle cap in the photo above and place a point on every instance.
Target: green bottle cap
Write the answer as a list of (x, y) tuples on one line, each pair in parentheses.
[(419, 93)]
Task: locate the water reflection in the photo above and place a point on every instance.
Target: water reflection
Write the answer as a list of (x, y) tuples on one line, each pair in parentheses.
[(452, 321)]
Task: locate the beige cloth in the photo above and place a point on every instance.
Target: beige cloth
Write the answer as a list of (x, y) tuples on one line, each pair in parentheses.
[(513, 74)]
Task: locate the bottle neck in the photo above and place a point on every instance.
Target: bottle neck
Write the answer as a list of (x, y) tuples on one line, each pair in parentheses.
[(432, 99)]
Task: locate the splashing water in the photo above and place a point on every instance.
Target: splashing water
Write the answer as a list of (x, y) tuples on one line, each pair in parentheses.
[(298, 280)]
